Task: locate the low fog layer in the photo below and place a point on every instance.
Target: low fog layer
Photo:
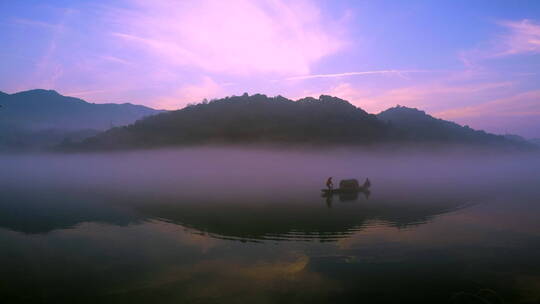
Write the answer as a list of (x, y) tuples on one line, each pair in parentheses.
[(252, 172)]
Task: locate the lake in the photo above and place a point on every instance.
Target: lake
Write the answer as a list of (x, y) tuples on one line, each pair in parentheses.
[(231, 225)]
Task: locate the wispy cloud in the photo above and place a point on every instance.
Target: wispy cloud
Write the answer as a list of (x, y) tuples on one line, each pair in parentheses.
[(523, 37), (83, 94), (479, 104), (400, 73), (207, 88), (37, 23), (521, 104), (233, 37), (518, 113), (429, 96), (518, 38), (47, 70), (115, 59)]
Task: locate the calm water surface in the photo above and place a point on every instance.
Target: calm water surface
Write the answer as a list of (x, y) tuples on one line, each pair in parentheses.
[(249, 226)]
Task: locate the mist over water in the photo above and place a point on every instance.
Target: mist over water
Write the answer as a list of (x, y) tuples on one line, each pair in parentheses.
[(198, 224), (252, 171)]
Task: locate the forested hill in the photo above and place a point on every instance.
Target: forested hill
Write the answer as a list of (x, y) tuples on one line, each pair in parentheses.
[(262, 119)]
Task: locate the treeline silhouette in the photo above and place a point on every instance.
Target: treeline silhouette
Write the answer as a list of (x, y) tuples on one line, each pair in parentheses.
[(415, 125), (261, 119)]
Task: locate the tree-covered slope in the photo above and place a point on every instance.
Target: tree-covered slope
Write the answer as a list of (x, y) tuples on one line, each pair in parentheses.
[(262, 119), (249, 119), (411, 124)]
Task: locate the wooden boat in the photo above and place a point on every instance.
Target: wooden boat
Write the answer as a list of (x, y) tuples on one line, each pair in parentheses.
[(348, 187)]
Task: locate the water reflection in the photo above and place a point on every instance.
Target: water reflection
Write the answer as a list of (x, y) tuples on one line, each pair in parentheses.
[(347, 196), (46, 210), (132, 229), (296, 218)]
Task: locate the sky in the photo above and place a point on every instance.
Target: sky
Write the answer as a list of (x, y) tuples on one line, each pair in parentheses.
[(473, 62)]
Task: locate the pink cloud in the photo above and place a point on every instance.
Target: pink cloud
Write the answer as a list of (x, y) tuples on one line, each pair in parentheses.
[(522, 104), (519, 114), (37, 23), (399, 73), (477, 105), (524, 37), (520, 37), (235, 37), (430, 96), (115, 59), (437, 95), (190, 93)]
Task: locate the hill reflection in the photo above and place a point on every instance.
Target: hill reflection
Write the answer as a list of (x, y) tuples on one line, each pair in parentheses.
[(292, 217), (46, 210), (294, 220)]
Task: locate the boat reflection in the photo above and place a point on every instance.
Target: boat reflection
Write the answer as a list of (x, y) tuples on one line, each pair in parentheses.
[(346, 196)]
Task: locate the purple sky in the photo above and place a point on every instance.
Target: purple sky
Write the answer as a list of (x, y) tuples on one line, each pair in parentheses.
[(473, 62)]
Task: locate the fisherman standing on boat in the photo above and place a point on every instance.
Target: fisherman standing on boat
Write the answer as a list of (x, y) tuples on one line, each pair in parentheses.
[(329, 183)]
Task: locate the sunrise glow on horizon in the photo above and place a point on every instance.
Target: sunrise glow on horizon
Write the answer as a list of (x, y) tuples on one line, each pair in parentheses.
[(475, 63)]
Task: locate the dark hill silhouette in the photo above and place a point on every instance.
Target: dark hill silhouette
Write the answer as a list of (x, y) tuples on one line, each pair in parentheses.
[(415, 125), (249, 119), (39, 118), (535, 141), (517, 138), (262, 119)]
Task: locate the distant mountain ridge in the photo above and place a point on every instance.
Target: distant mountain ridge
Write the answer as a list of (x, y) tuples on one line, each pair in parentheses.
[(416, 125), (47, 109), (262, 119), (40, 118), (535, 141)]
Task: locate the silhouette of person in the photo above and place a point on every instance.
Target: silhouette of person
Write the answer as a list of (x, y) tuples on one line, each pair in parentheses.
[(367, 183), (329, 183)]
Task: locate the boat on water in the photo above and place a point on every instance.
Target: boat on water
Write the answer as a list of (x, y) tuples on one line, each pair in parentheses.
[(348, 186)]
